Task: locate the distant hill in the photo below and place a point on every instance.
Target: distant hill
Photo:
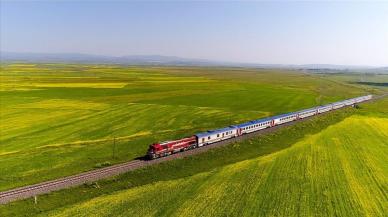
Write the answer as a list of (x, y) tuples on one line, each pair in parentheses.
[(90, 58), (173, 61)]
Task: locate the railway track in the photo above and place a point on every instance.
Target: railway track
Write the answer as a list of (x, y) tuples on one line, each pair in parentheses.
[(97, 174)]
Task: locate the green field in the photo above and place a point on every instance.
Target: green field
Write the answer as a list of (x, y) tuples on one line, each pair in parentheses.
[(340, 171), (368, 81), (60, 119), (331, 165)]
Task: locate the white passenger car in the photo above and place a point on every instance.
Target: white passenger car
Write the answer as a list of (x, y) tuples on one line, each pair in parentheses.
[(348, 102), (253, 126), (213, 136), (325, 108), (307, 113), (338, 105), (281, 119)]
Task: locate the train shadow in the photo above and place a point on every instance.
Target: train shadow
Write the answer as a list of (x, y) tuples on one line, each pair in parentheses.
[(143, 158)]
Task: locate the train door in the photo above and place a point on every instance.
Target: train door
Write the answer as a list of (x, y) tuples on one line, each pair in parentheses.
[(272, 123), (239, 131)]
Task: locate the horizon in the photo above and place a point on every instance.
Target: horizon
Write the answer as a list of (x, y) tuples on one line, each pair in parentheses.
[(291, 33), (196, 59)]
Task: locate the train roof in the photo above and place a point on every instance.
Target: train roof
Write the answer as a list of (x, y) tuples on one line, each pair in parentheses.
[(284, 115), (307, 110), (246, 124), (211, 132), (324, 106)]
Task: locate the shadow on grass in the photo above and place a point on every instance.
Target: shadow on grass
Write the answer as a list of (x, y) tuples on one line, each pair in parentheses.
[(373, 84)]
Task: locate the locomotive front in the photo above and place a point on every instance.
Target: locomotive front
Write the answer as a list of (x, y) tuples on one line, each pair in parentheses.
[(153, 150)]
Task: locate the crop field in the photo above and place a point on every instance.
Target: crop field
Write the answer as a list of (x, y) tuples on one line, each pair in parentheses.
[(339, 171), (333, 164), (61, 119), (368, 81)]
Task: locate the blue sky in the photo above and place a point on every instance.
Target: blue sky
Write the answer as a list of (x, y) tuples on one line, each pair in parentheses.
[(258, 32)]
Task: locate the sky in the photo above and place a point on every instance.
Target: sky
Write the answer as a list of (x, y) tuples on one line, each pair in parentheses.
[(346, 33)]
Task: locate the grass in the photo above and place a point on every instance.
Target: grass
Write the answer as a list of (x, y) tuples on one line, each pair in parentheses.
[(177, 169), (339, 171), (60, 119), (289, 171), (368, 81)]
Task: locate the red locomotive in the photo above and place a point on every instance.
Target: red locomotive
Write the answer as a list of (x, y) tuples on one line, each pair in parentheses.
[(157, 150)]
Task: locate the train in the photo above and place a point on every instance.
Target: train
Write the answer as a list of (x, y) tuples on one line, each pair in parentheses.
[(162, 149)]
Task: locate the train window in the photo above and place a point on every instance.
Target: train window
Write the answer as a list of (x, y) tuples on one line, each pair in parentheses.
[(203, 139), (208, 138), (218, 135), (226, 133)]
